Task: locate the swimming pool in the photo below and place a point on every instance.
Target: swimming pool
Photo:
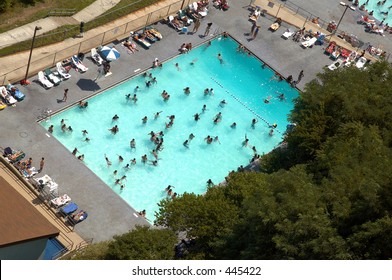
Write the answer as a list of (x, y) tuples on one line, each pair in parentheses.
[(379, 10), (239, 79)]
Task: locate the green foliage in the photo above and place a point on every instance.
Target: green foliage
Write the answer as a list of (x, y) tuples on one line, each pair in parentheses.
[(337, 97), (95, 251), (143, 243), (206, 218), (5, 5), (373, 240)]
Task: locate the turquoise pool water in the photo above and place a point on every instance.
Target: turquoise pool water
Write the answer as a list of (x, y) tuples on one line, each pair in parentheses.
[(240, 80), (378, 10)]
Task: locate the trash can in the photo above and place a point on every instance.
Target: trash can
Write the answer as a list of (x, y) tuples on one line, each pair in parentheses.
[(81, 56)]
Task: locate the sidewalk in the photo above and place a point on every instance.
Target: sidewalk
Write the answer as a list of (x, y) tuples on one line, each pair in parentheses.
[(13, 67)]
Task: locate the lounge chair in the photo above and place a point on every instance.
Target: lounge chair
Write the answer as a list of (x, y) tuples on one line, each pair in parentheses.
[(62, 72), (309, 43), (45, 181), (2, 105), (77, 217), (8, 99), (184, 18), (52, 77), (345, 53), (96, 57), (78, 64), (331, 48), (275, 26), (44, 80), (361, 62), (176, 24), (255, 15), (28, 172), (149, 36), (15, 92), (155, 32), (139, 39), (15, 156), (202, 13), (335, 54), (60, 201), (287, 34), (68, 209), (277, 23), (338, 63)]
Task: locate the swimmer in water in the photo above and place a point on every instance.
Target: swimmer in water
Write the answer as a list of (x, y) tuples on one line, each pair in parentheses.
[(144, 120), (222, 103), (220, 58), (115, 118), (233, 125), (84, 132), (144, 159), (114, 129), (245, 142), (186, 143), (254, 121), (196, 117), (133, 144), (157, 115), (108, 162)]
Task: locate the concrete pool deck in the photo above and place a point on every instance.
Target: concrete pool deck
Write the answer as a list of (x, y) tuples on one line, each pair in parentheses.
[(109, 215)]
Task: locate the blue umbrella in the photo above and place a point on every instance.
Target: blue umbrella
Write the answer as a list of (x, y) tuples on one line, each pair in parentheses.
[(109, 53)]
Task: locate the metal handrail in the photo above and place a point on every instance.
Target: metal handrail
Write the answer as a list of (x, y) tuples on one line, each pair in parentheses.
[(61, 12)]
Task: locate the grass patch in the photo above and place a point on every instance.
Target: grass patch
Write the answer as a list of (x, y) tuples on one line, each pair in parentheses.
[(123, 8), (20, 14)]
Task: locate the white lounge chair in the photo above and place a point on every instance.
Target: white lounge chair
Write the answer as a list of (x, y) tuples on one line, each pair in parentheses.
[(44, 81), (178, 25), (78, 64), (338, 63), (62, 72), (96, 57), (52, 77), (287, 34), (361, 62), (309, 43), (60, 201), (8, 98)]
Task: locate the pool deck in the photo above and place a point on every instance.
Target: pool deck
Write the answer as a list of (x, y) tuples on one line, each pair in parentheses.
[(109, 215)]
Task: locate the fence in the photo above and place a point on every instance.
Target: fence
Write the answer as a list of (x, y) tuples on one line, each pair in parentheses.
[(86, 45)]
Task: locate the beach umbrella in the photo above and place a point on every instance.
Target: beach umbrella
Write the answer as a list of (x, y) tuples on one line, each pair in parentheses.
[(109, 54)]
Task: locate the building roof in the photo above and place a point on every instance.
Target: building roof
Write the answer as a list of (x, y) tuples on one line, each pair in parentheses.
[(19, 220)]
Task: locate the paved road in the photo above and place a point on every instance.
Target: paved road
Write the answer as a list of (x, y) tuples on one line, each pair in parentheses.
[(108, 213)]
